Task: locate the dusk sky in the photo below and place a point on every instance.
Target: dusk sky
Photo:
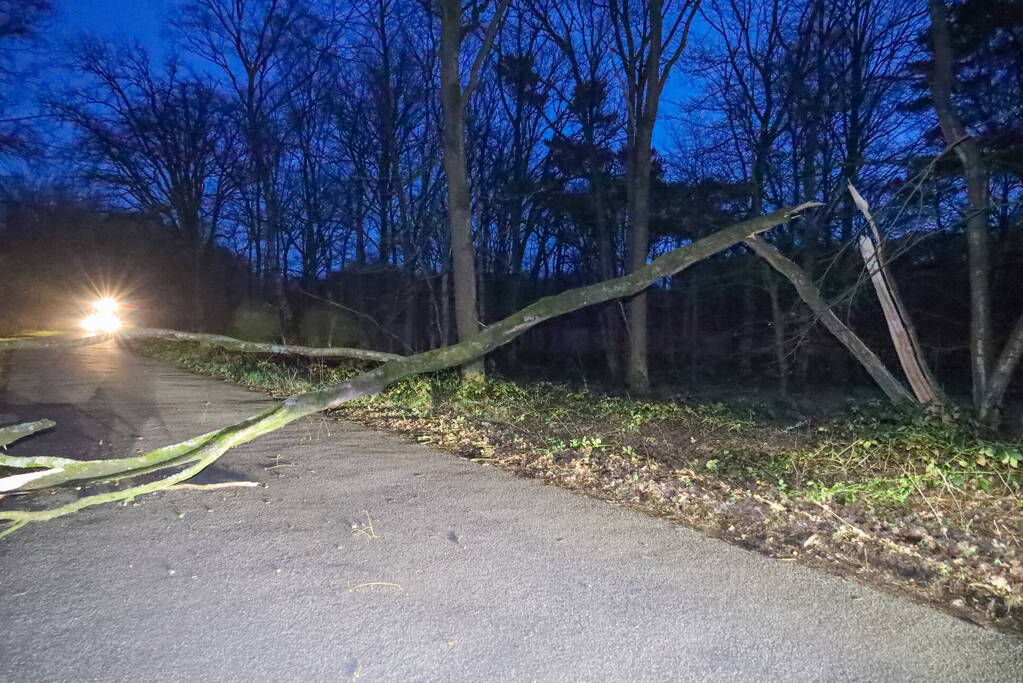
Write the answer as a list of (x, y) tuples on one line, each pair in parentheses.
[(144, 20)]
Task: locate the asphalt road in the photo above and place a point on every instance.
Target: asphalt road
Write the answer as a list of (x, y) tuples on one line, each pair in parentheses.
[(468, 573)]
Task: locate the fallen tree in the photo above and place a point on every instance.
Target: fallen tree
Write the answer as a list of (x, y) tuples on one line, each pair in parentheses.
[(199, 452), (230, 343), (811, 296), (233, 344)]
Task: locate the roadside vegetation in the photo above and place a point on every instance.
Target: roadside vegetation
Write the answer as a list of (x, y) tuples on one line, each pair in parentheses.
[(904, 500)]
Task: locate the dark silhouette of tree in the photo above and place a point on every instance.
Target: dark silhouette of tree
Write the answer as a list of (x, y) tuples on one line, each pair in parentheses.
[(19, 31)]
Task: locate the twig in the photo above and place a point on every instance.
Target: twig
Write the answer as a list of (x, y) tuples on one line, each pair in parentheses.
[(208, 487), (860, 532), (376, 584), (278, 463), (368, 317), (367, 529)]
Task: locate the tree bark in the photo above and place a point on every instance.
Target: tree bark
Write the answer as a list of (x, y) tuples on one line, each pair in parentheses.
[(644, 117)]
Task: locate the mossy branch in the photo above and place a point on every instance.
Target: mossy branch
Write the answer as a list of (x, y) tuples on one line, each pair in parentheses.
[(55, 341), (201, 451), (233, 344), (230, 343), (12, 433), (66, 470)]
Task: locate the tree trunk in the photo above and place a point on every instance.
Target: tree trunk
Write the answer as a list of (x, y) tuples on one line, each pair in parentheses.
[(459, 214), (609, 327), (645, 102), (1001, 376), (445, 308), (968, 151), (778, 323)]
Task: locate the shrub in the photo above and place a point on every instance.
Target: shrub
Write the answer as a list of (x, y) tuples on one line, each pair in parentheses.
[(257, 322)]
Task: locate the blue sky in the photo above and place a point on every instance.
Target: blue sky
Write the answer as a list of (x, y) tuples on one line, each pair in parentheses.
[(145, 20)]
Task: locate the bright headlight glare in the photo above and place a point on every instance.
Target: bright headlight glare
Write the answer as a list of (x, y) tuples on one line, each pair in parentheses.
[(105, 305), (102, 322)]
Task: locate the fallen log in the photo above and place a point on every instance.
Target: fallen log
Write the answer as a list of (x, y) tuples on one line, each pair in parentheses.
[(230, 343), (256, 347)]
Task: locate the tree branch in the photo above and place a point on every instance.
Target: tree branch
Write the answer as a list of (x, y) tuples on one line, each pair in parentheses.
[(484, 51), (214, 339), (9, 435)]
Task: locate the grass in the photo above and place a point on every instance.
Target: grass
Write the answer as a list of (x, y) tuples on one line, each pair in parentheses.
[(902, 500)]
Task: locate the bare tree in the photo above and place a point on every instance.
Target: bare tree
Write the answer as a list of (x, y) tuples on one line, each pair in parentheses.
[(580, 30), (649, 39), (454, 98), (251, 42)]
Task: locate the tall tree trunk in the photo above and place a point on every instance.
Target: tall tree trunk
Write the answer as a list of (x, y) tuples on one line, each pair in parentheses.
[(646, 98), (445, 307), (609, 326), (459, 213), (968, 151), (778, 323), (360, 224)]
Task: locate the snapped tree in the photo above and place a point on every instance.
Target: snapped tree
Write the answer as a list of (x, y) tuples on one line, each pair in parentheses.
[(195, 454)]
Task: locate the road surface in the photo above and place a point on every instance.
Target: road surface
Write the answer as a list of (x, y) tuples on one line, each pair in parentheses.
[(467, 572)]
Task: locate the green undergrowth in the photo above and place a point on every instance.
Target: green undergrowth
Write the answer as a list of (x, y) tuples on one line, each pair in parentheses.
[(897, 499)]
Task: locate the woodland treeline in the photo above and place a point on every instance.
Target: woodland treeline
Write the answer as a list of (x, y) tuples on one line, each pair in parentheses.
[(394, 174)]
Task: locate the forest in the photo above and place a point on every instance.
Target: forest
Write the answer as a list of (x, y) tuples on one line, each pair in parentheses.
[(284, 156), (406, 176)]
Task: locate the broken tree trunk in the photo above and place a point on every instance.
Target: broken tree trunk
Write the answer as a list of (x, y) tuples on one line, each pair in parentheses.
[(900, 326), (810, 295), (201, 451)]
